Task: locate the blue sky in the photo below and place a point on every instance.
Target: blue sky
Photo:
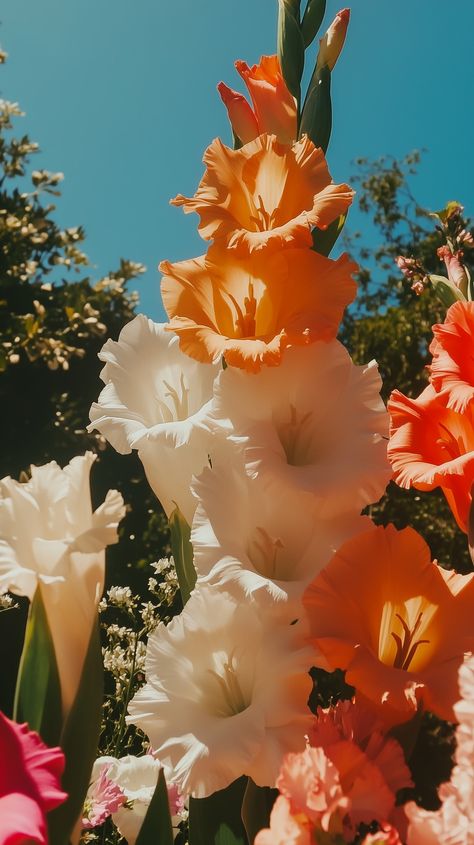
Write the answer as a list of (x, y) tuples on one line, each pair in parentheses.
[(122, 98)]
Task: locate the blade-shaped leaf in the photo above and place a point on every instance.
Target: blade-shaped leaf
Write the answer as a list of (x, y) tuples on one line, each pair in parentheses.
[(290, 46), (256, 808), (38, 691), (316, 118), (217, 820), (79, 742), (182, 553), (312, 20), (324, 239), (157, 828)]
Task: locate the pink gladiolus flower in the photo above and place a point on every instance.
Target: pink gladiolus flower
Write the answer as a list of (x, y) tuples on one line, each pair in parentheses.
[(103, 799), (30, 775), (455, 268)]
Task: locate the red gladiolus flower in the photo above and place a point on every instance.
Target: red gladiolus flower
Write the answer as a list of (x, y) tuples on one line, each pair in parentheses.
[(30, 775)]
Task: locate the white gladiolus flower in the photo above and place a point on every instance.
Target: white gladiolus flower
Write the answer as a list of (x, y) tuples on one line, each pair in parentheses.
[(50, 536), (137, 778), (315, 424), (270, 546), (155, 400), (226, 693)]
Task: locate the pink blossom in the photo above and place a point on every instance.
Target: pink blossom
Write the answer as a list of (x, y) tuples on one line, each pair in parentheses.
[(311, 783), (285, 828), (406, 265), (30, 775), (104, 798), (455, 268)]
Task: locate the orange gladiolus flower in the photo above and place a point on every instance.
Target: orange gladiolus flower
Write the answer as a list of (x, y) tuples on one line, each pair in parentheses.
[(274, 108), (265, 195), (432, 446), (250, 310), (452, 370), (395, 621)]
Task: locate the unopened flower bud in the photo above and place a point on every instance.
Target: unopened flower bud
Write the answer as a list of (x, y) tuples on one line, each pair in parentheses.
[(457, 274), (331, 44)]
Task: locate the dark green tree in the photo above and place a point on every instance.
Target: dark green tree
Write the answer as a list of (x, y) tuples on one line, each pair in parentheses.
[(54, 319)]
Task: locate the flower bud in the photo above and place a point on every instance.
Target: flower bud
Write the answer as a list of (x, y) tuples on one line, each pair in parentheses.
[(457, 273), (331, 44), (242, 119)]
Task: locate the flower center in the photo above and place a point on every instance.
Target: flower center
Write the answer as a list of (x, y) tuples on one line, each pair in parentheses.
[(263, 551), (245, 322), (263, 219), (403, 631), (174, 403), (231, 699), (296, 437)]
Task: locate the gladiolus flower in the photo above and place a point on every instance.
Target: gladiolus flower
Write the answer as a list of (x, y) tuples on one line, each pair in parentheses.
[(452, 368), (265, 195), (154, 400), (226, 693), (30, 776), (274, 108), (371, 765), (456, 270), (386, 835), (330, 46), (251, 310), (432, 446), (286, 827), (134, 780), (281, 545), (326, 442), (395, 621), (51, 538)]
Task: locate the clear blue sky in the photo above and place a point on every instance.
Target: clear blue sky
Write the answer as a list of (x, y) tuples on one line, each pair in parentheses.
[(121, 97)]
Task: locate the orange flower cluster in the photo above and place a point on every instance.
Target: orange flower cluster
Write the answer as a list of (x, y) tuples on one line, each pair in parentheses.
[(432, 437), (260, 288)]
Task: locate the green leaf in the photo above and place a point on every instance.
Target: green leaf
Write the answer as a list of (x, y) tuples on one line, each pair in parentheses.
[(446, 291), (217, 820), (256, 808), (316, 119), (157, 828), (290, 46), (79, 742), (38, 691), (182, 553), (312, 20), (324, 239)]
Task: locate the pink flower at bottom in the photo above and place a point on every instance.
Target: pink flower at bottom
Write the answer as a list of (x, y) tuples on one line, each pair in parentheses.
[(387, 835), (30, 774), (103, 799), (285, 828)]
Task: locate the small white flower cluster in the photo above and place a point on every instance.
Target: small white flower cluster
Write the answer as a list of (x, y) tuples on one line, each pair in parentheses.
[(7, 603)]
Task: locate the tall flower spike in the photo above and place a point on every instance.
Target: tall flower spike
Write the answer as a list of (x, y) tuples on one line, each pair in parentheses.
[(252, 309), (266, 195), (396, 622), (50, 536)]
